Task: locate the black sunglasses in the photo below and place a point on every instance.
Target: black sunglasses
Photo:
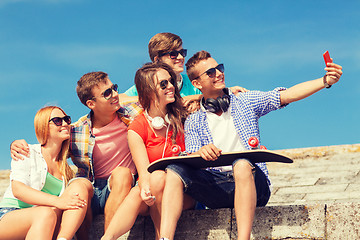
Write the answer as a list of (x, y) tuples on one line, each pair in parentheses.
[(164, 83), (108, 93), (211, 72), (58, 120), (174, 54)]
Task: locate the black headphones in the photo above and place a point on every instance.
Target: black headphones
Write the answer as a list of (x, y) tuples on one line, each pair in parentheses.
[(220, 103)]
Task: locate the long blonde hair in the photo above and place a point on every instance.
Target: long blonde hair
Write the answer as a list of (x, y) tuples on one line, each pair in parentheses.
[(41, 124)]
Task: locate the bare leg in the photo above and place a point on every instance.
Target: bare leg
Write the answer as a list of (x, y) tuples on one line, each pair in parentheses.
[(173, 202), (130, 207), (120, 185), (72, 219), (157, 184), (245, 199), (28, 223)]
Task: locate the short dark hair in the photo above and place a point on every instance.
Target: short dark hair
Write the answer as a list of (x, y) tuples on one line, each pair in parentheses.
[(86, 84), (162, 43), (193, 61)]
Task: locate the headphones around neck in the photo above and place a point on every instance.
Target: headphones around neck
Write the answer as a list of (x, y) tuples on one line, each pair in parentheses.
[(157, 122), (220, 103)]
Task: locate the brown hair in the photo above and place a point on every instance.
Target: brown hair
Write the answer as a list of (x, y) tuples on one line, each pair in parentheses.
[(190, 65), (144, 81), (87, 83), (162, 43), (41, 124)]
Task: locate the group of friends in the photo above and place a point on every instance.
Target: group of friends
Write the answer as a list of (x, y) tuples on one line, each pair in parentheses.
[(164, 114)]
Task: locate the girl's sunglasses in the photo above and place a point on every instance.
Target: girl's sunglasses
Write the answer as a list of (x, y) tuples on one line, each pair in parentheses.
[(108, 93), (174, 54), (164, 83), (212, 71), (58, 120)]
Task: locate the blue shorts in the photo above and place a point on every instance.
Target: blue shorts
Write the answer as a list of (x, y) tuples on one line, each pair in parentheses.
[(217, 189), (5, 210), (101, 194)]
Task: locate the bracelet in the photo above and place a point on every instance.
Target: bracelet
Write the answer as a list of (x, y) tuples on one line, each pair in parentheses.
[(325, 82)]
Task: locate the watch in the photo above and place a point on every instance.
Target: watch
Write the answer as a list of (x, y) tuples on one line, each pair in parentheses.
[(325, 82)]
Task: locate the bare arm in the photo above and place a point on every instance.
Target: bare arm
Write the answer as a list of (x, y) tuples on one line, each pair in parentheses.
[(125, 98), (141, 160), (305, 89), (35, 197)]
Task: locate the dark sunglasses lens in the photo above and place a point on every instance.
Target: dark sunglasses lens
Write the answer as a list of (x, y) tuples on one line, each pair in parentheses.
[(211, 72), (57, 121), (173, 54), (163, 84), (220, 67), (67, 119), (183, 52), (115, 87), (108, 93)]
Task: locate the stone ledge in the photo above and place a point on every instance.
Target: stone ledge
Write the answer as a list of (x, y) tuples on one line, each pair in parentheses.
[(318, 221)]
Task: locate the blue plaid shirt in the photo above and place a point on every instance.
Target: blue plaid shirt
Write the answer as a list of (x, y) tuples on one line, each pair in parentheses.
[(246, 110)]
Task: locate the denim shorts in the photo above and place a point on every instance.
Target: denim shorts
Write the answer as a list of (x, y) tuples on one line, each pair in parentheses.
[(101, 194), (217, 189), (5, 210)]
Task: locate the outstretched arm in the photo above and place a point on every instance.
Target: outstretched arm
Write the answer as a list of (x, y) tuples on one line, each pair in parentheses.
[(305, 89)]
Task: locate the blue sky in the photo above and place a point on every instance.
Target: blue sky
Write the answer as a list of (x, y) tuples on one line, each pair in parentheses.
[(47, 45)]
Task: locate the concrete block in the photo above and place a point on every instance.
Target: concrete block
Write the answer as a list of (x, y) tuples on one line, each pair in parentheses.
[(343, 221), (137, 231), (287, 222), (208, 224)]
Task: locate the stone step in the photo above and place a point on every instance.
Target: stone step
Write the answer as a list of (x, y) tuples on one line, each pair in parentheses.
[(319, 221)]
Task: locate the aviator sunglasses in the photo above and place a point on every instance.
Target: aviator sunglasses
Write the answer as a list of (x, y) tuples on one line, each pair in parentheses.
[(164, 83), (174, 54), (211, 72), (58, 120), (108, 93)]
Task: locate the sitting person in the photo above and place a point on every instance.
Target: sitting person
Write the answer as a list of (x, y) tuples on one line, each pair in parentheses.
[(99, 146), (167, 48), (42, 202), (224, 123), (156, 133)]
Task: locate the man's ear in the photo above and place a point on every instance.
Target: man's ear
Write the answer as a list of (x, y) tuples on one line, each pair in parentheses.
[(90, 104), (196, 84), (156, 59)]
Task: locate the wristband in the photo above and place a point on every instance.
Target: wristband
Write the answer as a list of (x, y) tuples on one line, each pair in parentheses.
[(325, 82)]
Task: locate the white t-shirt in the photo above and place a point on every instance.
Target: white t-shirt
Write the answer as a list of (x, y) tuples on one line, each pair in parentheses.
[(224, 133)]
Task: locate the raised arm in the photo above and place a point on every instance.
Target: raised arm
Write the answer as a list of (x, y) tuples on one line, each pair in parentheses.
[(305, 89)]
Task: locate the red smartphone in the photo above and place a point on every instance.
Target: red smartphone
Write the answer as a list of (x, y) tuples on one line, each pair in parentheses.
[(327, 57)]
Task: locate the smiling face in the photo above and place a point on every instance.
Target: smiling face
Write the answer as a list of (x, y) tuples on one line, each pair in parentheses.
[(164, 87), (176, 64), (58, 133), (99, 104), (211, 87)]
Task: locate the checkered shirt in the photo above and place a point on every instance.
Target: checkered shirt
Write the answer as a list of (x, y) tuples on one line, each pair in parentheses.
[(82, 140), (246, 110)]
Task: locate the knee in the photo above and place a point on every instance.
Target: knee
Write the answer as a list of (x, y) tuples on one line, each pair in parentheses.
[(121, 178), (157, 182), (243, 171), (47, 216), (82, 186)]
